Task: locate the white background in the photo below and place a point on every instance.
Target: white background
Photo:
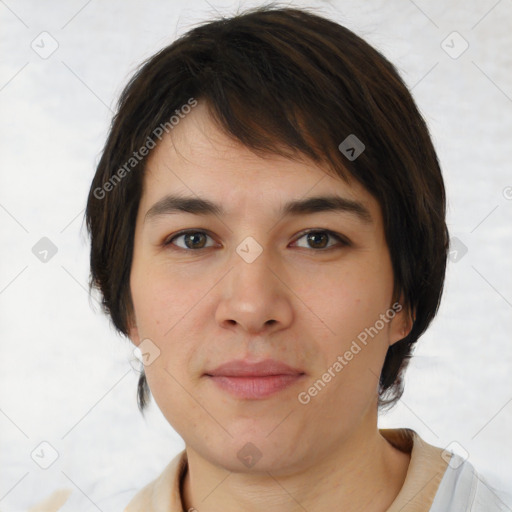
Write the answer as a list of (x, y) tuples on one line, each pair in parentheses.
[(65, 375)]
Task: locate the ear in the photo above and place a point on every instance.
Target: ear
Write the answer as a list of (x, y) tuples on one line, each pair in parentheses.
[(402, 322)]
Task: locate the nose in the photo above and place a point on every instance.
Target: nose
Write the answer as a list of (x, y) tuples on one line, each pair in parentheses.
[(255, 297)]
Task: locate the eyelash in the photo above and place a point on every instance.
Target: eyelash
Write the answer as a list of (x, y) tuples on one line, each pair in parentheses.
[(344, 242)]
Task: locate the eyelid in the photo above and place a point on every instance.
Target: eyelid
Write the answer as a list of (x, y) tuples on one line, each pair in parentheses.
[(168, 240), (341, 238)]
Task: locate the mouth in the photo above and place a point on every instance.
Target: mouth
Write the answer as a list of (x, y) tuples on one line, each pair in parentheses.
[(260, 380)]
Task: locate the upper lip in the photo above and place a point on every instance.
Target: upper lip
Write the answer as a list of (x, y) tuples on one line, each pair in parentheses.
[(242, 368)]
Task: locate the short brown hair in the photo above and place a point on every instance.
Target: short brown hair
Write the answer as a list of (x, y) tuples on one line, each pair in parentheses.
[(289, 82)]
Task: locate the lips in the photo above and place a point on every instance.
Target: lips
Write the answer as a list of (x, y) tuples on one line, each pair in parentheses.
[(241, 368), (245, 380)]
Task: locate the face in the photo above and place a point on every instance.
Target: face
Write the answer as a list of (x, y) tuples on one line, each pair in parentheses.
[(259, 281)]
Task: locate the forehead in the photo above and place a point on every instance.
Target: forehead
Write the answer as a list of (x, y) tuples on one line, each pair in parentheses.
[(196, 158)]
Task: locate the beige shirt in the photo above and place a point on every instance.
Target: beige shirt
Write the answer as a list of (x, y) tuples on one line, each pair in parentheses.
[(426, 469)]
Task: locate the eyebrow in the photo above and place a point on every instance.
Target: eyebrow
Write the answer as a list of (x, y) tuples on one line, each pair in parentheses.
[(200, 206)]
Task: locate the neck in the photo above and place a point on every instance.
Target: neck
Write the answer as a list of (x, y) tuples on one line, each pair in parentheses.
[(364, 472)]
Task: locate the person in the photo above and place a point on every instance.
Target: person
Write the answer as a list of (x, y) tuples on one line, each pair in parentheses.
[(267, 226)]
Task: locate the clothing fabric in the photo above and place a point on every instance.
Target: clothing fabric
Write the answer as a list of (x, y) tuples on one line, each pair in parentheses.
[(436, 481)]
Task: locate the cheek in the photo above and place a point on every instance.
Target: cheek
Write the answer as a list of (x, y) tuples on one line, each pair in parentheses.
[(347, 304), (160, 299), (169, 310), (345, 301), (167, 387)]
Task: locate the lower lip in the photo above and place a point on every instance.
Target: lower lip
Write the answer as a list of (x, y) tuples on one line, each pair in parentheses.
[(255, 387)]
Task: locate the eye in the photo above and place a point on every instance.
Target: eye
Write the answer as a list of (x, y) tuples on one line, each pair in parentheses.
[(318, 239), (192, 240), (197, 240)]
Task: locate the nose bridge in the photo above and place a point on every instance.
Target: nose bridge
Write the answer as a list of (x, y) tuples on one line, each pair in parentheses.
[(252, 273), (252, 265), (253, 295)]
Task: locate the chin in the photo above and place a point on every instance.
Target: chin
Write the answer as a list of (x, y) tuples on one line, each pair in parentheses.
[(254, 453)]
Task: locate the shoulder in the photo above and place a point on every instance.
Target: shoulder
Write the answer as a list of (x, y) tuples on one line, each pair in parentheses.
[(155, 496), (116, 502), (439, 480), (463, 488)]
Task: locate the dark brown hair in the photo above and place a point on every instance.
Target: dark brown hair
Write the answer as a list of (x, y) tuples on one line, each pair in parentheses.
[(289, 82)]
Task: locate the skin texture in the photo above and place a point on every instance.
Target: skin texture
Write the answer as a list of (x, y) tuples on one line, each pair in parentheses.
[(205, 307)]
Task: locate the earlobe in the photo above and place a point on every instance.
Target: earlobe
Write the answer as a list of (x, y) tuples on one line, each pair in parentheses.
[(401, 325), (407, 326)]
